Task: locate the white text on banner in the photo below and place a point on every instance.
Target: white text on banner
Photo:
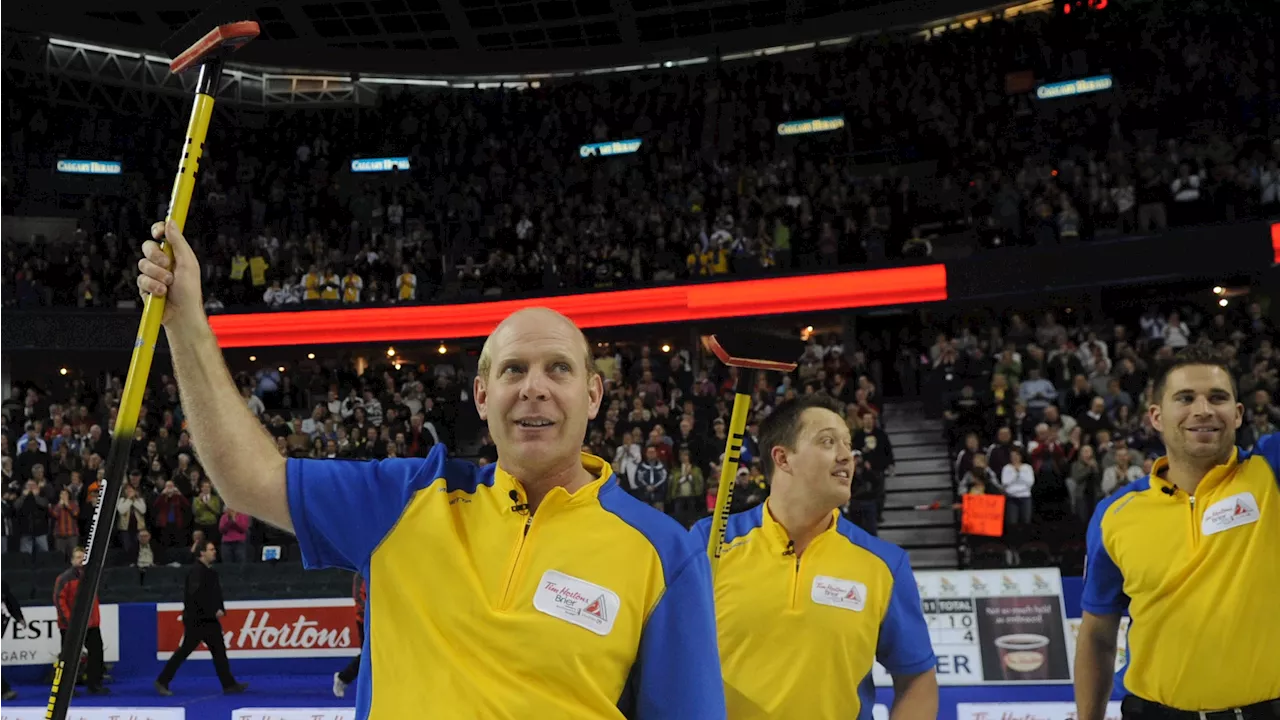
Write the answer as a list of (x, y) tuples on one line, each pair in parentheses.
[(38, 642), (994, 627)]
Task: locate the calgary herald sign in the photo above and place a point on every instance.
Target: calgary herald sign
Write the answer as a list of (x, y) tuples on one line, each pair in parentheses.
[(278, 629)]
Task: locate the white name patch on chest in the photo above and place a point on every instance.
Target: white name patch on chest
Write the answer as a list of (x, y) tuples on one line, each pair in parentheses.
[(1231, 512), (577, 602), (836, 592)]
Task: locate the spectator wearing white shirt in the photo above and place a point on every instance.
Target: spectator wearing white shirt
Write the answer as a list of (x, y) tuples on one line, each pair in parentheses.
[(1017, 478), (1186, 195), (372, 409), (1120, 474), (314, 425), (253, 401), (1175, 333), (276, 295)]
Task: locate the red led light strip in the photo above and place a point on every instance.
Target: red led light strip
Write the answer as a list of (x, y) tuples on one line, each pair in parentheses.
[(742, 298)]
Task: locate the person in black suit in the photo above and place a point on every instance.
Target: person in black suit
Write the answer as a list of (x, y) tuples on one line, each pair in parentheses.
[(202, 610), (14, 609)]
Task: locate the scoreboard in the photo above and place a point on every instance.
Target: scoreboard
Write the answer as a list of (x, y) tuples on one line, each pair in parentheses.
[(994, 626)]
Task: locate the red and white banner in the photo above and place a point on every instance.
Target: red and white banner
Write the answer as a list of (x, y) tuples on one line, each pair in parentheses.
[(96, 713), (270, 629)]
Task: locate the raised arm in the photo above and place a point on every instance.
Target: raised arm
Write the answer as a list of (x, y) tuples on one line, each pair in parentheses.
[(236, 451)]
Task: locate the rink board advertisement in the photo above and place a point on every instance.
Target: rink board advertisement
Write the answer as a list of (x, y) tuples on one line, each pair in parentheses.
[(995, 627), (1026, 711), (38, 642), (97, 713), (271, 629)]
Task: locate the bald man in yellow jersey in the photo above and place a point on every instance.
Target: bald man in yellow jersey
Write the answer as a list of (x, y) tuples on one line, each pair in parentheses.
[(535, 587), (806, 601), (1192, 552)]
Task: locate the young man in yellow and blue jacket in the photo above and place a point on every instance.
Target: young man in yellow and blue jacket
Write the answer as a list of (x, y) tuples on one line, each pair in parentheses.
[(807, 602)]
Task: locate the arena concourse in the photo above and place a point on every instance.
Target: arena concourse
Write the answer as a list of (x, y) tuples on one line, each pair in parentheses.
[(1014, 214)]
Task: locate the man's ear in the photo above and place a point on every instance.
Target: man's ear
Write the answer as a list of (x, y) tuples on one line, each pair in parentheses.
[(1153, 412), (779, 456), (481, 396), (595, 395)]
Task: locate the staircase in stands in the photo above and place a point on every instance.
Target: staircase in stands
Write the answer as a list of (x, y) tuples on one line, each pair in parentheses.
[(923, 477)]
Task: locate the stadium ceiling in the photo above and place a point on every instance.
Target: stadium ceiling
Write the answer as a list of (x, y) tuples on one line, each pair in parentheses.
[(472, 38)]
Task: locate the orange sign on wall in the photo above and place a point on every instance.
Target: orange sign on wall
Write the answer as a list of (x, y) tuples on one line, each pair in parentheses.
[(677, 303), (982, 515)]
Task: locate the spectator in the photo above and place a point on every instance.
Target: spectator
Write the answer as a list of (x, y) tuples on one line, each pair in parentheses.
[(32, 514), (1084, 486), (1017, 478), (206, 510), (651, 479), (1036, 393), (687, 490), (66, 523), (171, 509), (979, 475), (10, 518), (864, 499), (234, 528), (131, 516), (148, 553), (1120, 474)]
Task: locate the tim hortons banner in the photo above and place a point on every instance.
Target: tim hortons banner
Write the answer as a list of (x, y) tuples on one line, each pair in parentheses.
[(278, 629), (96, 713)]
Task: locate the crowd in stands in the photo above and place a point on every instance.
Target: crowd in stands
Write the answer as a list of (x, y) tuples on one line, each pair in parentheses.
[(1047, 413), (498, 201), (1054, 417), (662, 426)]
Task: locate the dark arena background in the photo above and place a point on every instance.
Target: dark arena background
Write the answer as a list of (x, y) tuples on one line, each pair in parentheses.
[(988, 223)]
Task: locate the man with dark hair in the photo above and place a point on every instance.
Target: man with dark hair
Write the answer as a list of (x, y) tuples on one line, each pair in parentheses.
[(806, 601), (202, 611), (1193, 542)]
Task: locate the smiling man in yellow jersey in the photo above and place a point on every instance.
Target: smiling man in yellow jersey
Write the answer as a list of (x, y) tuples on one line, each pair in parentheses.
[(806, 601), (1193, 553), (533, 588)]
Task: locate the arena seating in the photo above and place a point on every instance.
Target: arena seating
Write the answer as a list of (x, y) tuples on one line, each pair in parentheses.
[(935, 152)]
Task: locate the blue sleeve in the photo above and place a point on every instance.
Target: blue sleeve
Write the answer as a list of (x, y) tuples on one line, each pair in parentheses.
[(905, 647), (1268, 446), (701, 533), (679, 652), (1103, 582), (341, 509)]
